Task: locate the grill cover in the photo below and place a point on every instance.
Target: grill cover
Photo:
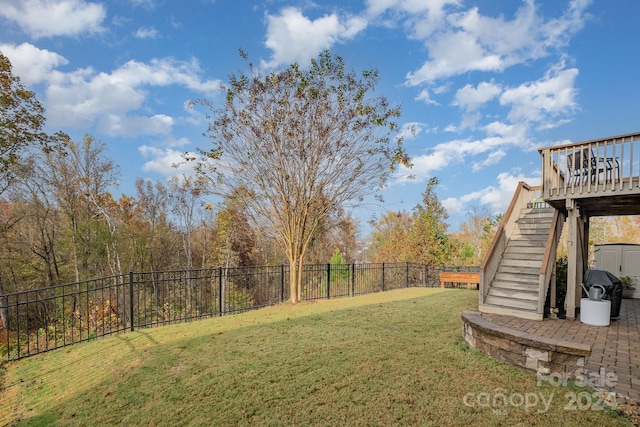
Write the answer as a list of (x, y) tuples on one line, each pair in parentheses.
[(612, 286)]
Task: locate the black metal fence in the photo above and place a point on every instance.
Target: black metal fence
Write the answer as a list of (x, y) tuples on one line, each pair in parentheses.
[(44, 319)]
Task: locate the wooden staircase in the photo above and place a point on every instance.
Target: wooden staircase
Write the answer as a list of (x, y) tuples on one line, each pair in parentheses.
[(515, 289)]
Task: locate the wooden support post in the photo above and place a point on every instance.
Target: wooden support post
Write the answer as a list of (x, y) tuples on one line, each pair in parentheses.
[(572, 260)]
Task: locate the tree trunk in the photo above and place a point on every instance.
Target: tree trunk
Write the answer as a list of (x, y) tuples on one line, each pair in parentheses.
[(299, 278), (293, 281)]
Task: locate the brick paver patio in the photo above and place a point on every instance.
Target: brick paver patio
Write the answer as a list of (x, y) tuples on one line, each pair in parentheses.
[(616, 347)]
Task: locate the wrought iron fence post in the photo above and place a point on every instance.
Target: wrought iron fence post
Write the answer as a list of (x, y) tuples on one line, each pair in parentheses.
[(220, 306), (426, 276), (353, 279), (131, 300), (406, 281), (328, 280), (282, 283), (383, 277)]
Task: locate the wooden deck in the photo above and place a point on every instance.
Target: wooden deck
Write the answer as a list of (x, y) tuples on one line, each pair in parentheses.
[(602, 175)]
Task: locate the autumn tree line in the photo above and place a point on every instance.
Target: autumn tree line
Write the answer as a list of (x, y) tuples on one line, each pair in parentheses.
[(61, 224), (287, 151)]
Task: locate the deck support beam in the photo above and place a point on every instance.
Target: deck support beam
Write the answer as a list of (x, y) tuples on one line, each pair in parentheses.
[(578, 255)]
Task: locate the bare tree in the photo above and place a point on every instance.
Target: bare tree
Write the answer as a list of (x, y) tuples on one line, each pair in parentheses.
[(293, 145), (185, 196), (80, 178), (152, 204)]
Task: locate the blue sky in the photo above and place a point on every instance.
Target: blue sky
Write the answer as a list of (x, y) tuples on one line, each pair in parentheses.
[(485, 83)]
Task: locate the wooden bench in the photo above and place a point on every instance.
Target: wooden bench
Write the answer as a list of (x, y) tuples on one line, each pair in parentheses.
[(458, 277)]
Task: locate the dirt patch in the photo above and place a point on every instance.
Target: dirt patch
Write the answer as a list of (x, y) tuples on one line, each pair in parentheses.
[(630, 408)]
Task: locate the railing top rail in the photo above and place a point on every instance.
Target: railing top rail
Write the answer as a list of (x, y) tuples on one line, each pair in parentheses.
[(522, 186), (619, 138)]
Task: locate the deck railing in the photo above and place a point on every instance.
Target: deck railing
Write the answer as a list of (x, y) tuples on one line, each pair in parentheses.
[(591, 168), (547, 280)]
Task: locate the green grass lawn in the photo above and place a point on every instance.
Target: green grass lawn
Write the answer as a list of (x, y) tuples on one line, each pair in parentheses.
[(385, 359)]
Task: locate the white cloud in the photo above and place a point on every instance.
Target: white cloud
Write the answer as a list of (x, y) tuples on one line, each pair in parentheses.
[(376, 7), (49, 18), (470, 121), (114, 125), (147, 33), (292, 37), (492, 159), (495, 198), (544, 99), (31, 64), (494, 147), (473, 42), (516, 134), (119, 21), (421, 17), (425, 97), (411, 130), (165, 161), (83, 97), (147, 4), (472, 98), (454, 53)]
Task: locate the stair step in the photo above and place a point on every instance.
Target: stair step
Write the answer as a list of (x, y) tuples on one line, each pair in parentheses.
[(523, 231), (536, 214), (533, 222), (517, 256), (521, 314), (512, 253), (505, 284), (512, 302), (516, 278), (540, 239), (537, 211), (526, 243), (518, 294), (509, 269), (521, 263)]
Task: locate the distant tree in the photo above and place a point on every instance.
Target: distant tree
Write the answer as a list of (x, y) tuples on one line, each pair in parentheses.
[(236, 240), (39, 229), (80, 178), (21, 122), (429, 241), (338, 270), (293, 145), (390, 237), (338, 230), (420, 236), (185, 196), (475, 237), (151, 206)]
